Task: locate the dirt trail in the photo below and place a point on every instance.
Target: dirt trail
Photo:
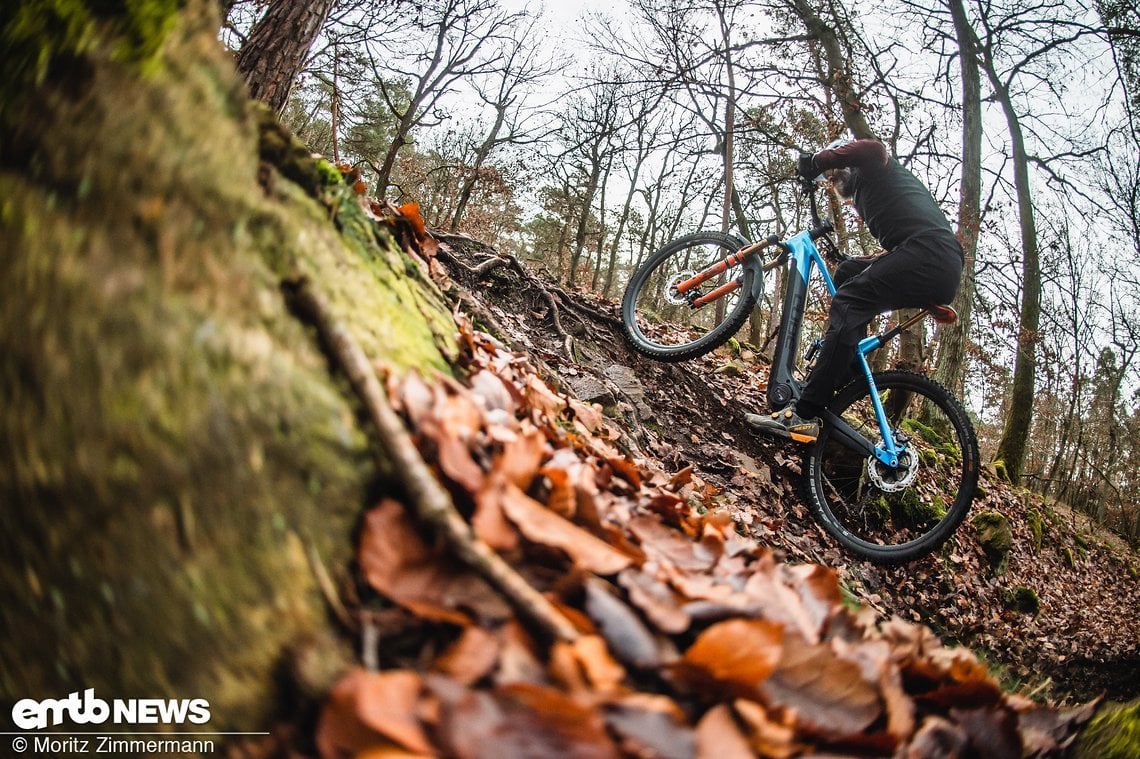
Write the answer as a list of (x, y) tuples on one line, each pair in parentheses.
[(1084, 639)]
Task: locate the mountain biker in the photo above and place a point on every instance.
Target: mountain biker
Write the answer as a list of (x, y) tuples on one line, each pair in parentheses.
[(921, 266)]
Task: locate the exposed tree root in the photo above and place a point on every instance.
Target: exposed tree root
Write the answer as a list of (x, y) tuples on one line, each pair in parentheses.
[(497, 260)]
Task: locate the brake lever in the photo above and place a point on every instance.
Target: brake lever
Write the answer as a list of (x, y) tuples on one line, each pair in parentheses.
[(830, 250)]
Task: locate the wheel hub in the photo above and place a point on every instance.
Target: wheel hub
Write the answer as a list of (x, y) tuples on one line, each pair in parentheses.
[(672, 295), (893, 479)]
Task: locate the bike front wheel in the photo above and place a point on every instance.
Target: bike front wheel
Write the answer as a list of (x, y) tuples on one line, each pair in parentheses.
[(892, 515), (667, 325)]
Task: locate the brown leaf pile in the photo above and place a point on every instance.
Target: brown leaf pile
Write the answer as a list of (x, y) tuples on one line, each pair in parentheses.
[(693, 641)]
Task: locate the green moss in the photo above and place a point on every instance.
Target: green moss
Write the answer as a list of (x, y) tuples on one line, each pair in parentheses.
[(1082, 543), (879, 507), (995, 537), (281, 148), (911, 509), (40, 35), (730, 348), (330, 175), (1023, 599), (145, 24), (1068, 557), (1036, 528), (1114, 733), (849, 598), (36, 35), (180, 447), (396, 312), (927, 433), (1001, 471)]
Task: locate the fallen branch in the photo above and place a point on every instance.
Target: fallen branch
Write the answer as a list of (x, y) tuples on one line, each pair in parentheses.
[(429, 501)]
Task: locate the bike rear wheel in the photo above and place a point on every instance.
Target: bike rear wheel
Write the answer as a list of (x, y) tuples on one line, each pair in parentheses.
[(888, 515), (660, 322)]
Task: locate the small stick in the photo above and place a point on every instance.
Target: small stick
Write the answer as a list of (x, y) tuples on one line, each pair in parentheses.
[(429, 501)]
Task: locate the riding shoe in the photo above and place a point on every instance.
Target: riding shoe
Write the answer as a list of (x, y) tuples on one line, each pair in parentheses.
[(785, 423)]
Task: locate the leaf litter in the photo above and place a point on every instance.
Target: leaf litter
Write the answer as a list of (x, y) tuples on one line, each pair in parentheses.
[(692, 639)]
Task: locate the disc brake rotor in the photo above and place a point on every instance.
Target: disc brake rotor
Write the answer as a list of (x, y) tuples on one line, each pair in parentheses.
[(671, 294), (892, 480)]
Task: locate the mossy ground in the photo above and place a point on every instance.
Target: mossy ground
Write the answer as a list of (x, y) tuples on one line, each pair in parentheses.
[(995, 536), (178, 450), (1114, 733)]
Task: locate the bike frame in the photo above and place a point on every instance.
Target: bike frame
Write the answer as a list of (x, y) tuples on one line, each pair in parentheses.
[(803, 258)]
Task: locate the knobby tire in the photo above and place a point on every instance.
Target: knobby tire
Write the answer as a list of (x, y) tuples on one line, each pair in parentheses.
[(644, 305), (895, 527)]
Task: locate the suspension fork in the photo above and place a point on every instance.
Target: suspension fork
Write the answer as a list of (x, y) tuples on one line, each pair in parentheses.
[(718, 268), (888, 452)]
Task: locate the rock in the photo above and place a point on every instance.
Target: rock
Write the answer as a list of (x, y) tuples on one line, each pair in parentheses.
[(994, 536)]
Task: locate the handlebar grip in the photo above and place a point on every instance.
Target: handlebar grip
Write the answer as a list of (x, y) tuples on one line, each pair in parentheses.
[(825, 228)]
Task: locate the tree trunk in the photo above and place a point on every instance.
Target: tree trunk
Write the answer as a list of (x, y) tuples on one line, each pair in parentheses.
[(275, 52), (623, 219), (179, 467), (584, 218), (838, 69), (953, 339), (1012, 447), (600, 243), (471, 179)]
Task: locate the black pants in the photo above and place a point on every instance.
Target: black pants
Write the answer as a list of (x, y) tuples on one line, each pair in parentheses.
[(923, 271)]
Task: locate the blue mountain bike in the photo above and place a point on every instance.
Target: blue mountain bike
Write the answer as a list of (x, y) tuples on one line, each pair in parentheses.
[(895, 467)]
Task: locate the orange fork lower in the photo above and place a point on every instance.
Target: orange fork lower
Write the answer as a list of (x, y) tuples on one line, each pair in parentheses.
[(720, 292)]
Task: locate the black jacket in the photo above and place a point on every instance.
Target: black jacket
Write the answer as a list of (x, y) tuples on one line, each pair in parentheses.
[(894, 205)]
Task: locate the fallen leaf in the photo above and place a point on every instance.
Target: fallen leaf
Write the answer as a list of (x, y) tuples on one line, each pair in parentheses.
[(718, 737), (665, 544), (585, 666), (650, 726), (470, 658), (398, 564), (769, 735), (733, 657), (363, 706), (936, 737), (520, 720), (656, 600), (992, 732), (627, 636), (827, 693), (541, 525)]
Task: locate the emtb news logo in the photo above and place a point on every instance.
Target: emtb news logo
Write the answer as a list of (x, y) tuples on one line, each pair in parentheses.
[(29, 714)]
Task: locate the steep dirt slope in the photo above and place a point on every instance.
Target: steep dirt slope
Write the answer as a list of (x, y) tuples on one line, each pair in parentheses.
[(1058, 617)]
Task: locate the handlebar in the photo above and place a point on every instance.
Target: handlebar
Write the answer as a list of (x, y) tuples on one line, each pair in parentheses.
[(821, 228)]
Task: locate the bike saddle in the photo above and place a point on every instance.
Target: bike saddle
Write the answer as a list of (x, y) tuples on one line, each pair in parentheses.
[(943, 314)]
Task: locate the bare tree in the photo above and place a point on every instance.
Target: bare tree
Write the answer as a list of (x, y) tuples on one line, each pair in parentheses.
[(522, 65), (839, 76), (427, 52), (952, 340), (1012, 446), (647, 136), (589, 129)]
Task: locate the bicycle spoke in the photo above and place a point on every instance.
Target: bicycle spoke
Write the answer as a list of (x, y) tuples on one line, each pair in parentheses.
[(670, 314)]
